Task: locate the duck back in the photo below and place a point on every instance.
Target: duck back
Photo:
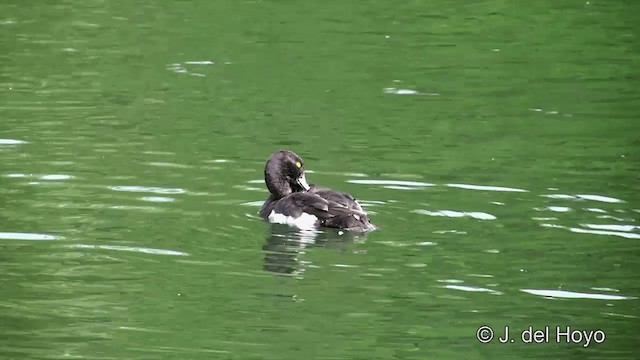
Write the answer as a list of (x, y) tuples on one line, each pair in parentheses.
[(345, 210)]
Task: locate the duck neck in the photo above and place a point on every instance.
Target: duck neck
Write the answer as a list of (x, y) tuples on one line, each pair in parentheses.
[(277, 185)]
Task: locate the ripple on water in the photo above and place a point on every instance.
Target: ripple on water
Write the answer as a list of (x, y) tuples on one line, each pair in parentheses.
[(56, 177), (559, 196), (26, 236), (130, 248), (252, 216), (158, 199), (605, 289), (199, 62), (485, 188), (163, 153), (605, 232), (397, 91), (250, 188), (450, 281), (573, 295), (148, 189), (427, 243), (12, 142), (596, 210), (599, 198), (620, 315), (168, 165), (150, 209), (49, 177), (612, 227), (554, 208), (628, 235), (180, 68), (472, 289), (544, 218), (456, 214), (390, 182), (254, 203), (415, 265), (614, 218), (457, 232), (398, 187), (369, 203)]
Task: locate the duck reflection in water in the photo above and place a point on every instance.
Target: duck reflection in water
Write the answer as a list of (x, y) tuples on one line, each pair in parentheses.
[(285, 246)]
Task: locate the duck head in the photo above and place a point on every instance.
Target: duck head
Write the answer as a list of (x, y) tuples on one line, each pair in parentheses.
[(284, 174)]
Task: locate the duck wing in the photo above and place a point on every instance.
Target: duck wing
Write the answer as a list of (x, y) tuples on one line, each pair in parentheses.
[(345, 211), (340, 198), (298, 203)]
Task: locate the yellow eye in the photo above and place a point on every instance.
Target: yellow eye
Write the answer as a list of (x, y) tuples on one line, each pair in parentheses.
[(298, 164)]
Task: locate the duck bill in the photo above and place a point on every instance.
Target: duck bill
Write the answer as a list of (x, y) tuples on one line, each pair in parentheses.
[(302, 181)]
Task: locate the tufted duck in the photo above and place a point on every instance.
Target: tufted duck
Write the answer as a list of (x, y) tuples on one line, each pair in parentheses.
[(293, 201)]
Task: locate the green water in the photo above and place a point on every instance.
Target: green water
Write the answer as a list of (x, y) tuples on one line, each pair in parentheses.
[(495, 144)]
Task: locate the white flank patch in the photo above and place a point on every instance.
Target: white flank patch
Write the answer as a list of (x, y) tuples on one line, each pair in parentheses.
[(304, 221)]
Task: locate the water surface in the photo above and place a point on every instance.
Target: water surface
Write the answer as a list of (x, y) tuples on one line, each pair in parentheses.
[(495, 145)]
